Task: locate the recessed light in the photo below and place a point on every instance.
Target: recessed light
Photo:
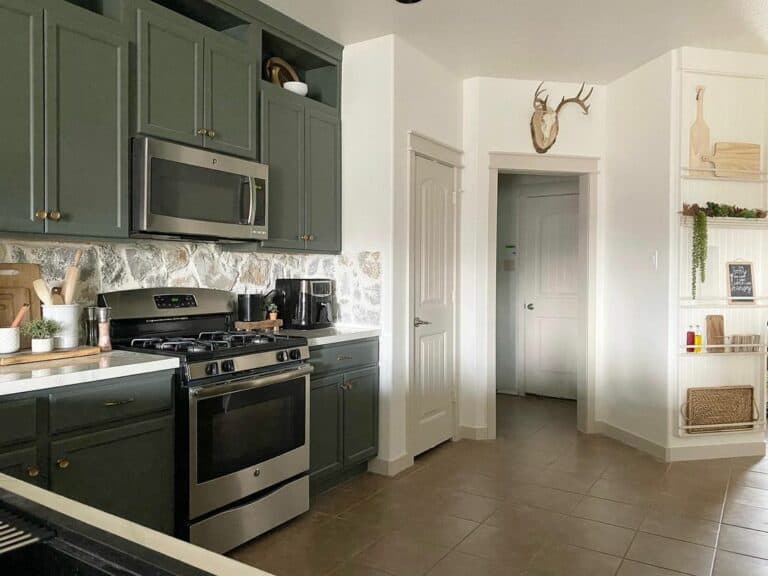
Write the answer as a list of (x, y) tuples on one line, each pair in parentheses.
[(408, 1)]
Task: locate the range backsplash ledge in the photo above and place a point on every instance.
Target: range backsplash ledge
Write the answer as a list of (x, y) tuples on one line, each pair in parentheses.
[(107, 266)]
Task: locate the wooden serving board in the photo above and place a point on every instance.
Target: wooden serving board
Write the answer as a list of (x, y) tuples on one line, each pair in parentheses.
[(27, 357), (260, 325), (715, 333), (735, 160)]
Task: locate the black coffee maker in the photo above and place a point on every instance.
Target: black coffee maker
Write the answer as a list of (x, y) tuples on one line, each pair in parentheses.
[(305, 304)]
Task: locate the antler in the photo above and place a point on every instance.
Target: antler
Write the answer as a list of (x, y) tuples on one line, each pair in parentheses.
[(577, 100), (537, 101)]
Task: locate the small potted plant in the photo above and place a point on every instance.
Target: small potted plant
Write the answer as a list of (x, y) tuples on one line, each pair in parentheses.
[(42, 333), (272, 310)]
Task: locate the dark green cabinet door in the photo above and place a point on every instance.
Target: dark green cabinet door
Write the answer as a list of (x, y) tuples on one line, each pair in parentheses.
[(282, 148), (361, 415), (86, 114), (126, 471), (21, 464), (325, 438), (21, 100), (323, 181), (170, 77), (231, 96)]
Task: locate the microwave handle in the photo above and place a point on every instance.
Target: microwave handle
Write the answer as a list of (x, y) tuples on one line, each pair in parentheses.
[(252, 205)]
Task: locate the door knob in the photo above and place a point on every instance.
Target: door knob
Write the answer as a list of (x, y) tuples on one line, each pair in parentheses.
[(419, 322), (530, 306)]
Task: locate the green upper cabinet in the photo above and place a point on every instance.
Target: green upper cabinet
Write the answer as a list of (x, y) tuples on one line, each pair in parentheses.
[(169, 77), (301, 143), (86, 123), (21, 99), (282, 149), (196, 85), (323, 150), (231, 97)]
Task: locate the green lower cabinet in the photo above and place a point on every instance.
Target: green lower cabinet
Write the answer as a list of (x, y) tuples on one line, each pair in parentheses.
[(126, 471), (21, 463), (361, 415), (326, 456)]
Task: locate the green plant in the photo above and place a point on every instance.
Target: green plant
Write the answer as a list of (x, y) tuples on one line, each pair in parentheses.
[(272, 307), (40, 329), (698, 250)]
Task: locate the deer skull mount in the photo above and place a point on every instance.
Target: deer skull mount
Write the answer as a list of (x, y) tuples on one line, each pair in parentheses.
[(545, 123)]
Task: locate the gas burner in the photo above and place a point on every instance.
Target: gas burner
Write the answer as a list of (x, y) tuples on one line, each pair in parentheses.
[(146, 343), (237, 339), (183, 345), (218, 336)]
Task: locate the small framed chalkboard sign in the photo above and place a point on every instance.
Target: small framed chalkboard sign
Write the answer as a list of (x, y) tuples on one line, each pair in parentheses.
[(741, 283)]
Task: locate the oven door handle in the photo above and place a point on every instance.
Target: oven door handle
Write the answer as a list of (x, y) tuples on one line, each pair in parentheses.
[(235, 386)]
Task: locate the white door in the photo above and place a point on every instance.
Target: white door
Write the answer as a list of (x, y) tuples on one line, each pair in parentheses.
[(550, 280), (432, 407)]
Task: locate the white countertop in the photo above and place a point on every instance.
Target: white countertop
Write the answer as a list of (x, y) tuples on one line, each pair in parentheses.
[(334, 335), (167, 545), (22, 378)]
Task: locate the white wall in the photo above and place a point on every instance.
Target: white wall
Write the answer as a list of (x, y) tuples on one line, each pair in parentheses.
[(390, 88), (634, 345), (496, 119)]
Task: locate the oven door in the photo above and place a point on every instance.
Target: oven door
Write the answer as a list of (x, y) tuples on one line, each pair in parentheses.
[(187, 191), (245, 436)]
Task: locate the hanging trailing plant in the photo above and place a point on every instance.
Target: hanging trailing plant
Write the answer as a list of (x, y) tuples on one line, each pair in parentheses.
[(698, 250)]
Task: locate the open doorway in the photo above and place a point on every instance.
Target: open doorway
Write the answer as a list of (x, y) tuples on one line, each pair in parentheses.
[(537, 284)]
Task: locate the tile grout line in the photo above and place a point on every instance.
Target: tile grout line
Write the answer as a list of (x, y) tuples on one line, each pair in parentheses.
[(720, 522)]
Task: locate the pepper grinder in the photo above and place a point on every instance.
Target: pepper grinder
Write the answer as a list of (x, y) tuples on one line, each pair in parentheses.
[(104, 315), (92, 326)]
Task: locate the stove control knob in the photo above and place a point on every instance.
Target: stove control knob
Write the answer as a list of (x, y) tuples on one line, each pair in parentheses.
[(228, 366), (212, 369), (295, 354), (282, 356)]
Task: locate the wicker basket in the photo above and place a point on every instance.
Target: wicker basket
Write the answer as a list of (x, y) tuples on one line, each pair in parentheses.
[(723, 405)]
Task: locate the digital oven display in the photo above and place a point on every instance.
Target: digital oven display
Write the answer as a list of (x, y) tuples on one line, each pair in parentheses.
[(172, 301)]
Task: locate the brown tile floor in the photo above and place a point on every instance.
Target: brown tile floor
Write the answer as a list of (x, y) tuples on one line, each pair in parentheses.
[(540, 500)]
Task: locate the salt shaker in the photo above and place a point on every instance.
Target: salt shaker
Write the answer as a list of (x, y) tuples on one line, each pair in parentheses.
[(105, 342)]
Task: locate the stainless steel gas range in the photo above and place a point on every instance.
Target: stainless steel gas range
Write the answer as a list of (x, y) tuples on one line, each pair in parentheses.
[(242, 411)]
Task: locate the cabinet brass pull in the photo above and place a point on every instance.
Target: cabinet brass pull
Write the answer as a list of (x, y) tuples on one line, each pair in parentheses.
[(55, 215), (41, 215), (33, 471), (111, 403), (211, 134), (343, 357), (202, 132), (62, 463)]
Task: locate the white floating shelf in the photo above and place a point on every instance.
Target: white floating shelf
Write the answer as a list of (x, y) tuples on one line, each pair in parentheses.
[(756, 223)]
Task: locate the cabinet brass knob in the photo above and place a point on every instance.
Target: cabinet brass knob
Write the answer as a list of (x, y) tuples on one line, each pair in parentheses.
[(211, 134), (304, 237), (41, 215), (202, 132), (33, 471), (55, 215), (311, 237), (62, 463)]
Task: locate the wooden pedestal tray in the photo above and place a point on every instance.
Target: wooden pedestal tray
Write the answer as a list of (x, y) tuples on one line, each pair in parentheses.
[(26, 357), (260, 325)]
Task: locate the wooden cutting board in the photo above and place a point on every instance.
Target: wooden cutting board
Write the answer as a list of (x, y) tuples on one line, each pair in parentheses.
[(27, 357), (736, 160), (715, 333), (11, 300)]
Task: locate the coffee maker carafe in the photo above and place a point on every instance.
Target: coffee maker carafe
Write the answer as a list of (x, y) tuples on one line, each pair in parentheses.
[(306, 304)]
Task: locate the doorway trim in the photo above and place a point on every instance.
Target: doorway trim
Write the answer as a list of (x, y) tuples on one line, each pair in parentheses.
[(587, 169), (432, 149)]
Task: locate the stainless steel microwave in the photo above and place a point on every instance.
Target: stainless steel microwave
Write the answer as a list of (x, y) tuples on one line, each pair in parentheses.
[(184, 191)]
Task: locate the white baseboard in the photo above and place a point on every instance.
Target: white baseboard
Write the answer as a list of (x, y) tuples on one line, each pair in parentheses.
[(711, 451), (390, 467), (473, 432), (630, 439)]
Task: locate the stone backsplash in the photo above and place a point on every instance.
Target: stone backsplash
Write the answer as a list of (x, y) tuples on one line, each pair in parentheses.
[(148, 263)]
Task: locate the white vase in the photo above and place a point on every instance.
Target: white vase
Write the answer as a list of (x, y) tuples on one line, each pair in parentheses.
[(68, 315), (9, 340), (40, 345)]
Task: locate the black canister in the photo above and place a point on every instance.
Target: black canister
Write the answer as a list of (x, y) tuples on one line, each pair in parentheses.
[(251, 308)]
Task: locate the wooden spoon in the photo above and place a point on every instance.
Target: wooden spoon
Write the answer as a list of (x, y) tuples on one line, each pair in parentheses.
[(43, 291), (71, 279)]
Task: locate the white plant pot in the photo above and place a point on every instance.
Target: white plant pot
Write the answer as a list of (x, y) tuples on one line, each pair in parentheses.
[(68, 315), (40, 345), (9, 340)]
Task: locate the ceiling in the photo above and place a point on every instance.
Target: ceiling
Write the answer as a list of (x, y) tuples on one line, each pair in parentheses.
[(592, 40)]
